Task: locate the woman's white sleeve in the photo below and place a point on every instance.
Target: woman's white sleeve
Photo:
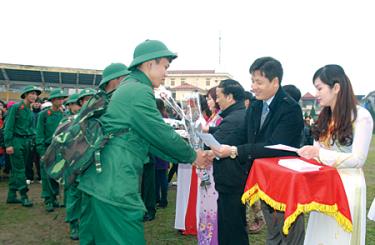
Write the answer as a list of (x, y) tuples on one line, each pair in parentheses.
[(363, 127)]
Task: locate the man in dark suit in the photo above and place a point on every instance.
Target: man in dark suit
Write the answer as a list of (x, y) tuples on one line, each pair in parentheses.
[(229, 174), (274, 118)]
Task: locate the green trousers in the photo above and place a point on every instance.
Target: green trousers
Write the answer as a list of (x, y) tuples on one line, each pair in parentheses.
[(102, 223), (50, 187), (17, 179), (73, 202)]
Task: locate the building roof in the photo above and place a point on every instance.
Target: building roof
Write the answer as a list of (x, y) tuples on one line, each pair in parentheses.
[(18, 76), (191, 72), (49, 76), (186, 87), (308, 96), (197, 73)]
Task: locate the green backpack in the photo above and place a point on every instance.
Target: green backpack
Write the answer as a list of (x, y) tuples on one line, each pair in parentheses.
[(77, 142)]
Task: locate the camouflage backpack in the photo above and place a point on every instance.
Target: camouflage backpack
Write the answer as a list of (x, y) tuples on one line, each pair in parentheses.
[(77, 142)]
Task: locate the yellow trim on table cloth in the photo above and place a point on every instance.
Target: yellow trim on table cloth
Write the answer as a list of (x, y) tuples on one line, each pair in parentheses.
[(255, 193)]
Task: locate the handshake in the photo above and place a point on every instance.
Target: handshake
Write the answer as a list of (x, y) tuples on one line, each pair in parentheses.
[(203, 159)]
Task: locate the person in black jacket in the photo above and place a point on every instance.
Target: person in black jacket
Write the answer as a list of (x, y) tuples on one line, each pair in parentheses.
[(275, 118), (229, 174)]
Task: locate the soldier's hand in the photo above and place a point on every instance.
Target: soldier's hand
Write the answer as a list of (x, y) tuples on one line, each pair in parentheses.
[(9, 150), (202, 160)]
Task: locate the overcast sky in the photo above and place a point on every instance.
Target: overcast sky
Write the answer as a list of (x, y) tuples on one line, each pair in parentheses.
[(303, 35)]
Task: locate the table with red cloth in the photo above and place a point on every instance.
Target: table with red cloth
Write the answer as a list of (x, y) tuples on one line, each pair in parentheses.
[(298, 192)]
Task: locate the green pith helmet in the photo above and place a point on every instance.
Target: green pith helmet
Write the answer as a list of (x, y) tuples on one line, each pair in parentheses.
[(113, 71), (57, 93), (30, 88), (150, 50), (86, 92), (72, 99)]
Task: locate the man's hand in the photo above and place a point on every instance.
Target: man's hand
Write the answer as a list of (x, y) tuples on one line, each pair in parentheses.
[(203, 160), (223, 151), (9, 150), (205, 129), (309, 152), (210, 155)]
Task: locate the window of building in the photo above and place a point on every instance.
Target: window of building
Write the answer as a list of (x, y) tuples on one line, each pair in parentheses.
[(208, 82), (183, 80), (172, 82)]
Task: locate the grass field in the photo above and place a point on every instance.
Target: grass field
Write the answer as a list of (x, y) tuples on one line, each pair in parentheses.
[(19, 225)]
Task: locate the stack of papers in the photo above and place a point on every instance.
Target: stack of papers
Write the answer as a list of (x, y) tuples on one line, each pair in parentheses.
[(298, 165), (282, 147)]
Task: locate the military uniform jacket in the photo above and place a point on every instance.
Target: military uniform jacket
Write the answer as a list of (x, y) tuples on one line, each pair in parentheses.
[(19, 122), (48, 120), (132, 106)]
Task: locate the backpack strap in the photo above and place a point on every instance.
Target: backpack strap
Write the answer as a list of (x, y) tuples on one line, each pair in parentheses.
[(97, 153)]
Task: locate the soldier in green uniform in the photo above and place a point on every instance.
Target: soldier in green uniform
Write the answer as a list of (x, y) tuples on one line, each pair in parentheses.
[(112, 209), (48, 120), (19, 135), (72, 105), (72, 195), (85, 95), (112, 76)]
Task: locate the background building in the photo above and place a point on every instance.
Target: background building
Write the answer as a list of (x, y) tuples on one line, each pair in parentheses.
[(182, 82), (14, 77)]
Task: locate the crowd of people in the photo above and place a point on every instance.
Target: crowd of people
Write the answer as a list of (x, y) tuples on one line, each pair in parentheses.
[(110, 206)]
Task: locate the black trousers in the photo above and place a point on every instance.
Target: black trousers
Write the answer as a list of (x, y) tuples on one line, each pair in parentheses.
[(8, 166), (275, 221), (34, 159), (231, 220), (148, 188), (172, 171), (161, 185)]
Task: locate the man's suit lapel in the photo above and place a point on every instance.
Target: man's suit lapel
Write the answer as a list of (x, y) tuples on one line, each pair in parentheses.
[(257, 115)]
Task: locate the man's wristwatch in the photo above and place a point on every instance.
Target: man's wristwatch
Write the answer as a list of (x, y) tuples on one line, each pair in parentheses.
[(233, 152)]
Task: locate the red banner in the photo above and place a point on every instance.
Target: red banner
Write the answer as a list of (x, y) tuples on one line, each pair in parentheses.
[(298, 192)]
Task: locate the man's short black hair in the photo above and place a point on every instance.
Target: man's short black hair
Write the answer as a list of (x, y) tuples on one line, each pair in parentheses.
[(292, 91), (233, 87), (249, 96), (160, 105), (269, 67)]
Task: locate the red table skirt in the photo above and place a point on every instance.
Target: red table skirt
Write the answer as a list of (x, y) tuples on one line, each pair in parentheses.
[(298, 192)]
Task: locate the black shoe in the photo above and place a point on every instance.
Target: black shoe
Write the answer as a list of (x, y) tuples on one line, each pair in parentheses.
[(13, 201), (12, 198), (74, 231), (162, 205), (56, 204), (49, 207), (26, 202), (148, 217)]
